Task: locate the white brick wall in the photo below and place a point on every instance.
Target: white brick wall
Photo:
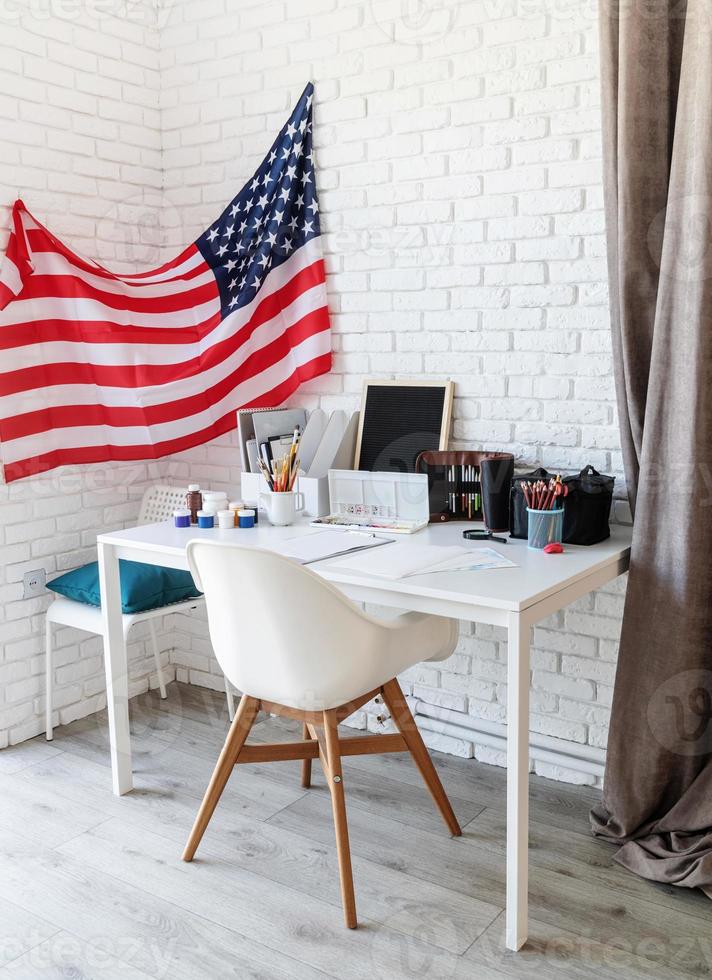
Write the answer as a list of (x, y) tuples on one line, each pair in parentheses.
[(458, 147), (458, 154), (81, 145)]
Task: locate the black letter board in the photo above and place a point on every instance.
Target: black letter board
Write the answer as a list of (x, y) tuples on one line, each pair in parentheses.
[(399, 420)]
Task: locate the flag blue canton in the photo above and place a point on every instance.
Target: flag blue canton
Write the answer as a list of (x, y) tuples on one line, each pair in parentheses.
[(273, 215)]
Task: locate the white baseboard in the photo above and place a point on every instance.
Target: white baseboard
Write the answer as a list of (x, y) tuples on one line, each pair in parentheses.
[(574, 756)]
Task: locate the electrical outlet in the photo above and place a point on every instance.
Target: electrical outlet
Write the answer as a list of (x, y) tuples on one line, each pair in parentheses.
[(34, 583)]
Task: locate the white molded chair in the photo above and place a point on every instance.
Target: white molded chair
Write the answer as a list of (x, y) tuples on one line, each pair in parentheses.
[(296, 646), (158, 504)]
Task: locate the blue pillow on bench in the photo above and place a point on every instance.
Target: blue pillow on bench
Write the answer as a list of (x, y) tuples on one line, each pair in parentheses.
[(142, 586)]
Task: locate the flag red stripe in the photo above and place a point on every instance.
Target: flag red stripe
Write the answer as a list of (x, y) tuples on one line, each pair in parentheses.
[(42, 240), (106, 332), (100, 454), (72, 287), (41, 246), (31, 423), (147, 375), (5, 295)]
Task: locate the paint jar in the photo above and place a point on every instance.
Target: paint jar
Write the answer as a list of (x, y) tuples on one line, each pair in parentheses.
[(235, 506), (253, 505), (194, 501), (544, 527), (226, 519), (181, 517), (205, 519), (246, 518), (214, 500)]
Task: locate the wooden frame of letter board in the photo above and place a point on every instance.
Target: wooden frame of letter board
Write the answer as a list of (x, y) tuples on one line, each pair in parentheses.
[(449, 392)]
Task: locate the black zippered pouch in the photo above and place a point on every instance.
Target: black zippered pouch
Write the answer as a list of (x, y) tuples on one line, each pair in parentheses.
[(587, 506)]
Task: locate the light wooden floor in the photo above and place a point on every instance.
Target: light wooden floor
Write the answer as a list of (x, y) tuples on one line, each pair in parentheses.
[(92, 885)]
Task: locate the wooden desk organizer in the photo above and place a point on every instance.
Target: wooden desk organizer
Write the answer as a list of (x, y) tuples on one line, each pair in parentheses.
[(468, 485)]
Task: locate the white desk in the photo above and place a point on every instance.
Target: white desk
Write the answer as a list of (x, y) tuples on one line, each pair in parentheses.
[(512, 597)]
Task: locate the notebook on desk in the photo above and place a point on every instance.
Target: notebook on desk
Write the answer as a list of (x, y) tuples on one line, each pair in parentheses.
[(320, 545)]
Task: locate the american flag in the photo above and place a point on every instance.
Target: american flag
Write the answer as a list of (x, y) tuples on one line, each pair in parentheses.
[(96, 366)]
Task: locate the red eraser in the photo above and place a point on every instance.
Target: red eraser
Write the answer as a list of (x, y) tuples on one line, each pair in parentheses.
[(553, 549)]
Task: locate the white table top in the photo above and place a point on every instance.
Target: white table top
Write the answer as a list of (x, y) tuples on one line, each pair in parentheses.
[(536, 576)]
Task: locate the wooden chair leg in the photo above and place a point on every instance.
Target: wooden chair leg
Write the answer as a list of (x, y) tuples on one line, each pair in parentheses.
[(338, 805), (306, 763), (402, 716), (236, 737)]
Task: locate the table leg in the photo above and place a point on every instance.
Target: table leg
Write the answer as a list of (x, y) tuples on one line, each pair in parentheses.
[(517, 781), (116, 665)]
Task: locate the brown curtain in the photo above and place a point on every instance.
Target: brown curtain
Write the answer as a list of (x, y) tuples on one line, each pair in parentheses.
[(657, 118)]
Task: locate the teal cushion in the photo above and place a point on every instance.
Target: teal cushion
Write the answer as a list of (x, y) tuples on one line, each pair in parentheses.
[(142, 586)]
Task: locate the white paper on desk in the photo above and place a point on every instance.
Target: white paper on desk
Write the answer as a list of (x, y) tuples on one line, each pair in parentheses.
[(402, 560), (405, 560), (474, 560), (320, 545)]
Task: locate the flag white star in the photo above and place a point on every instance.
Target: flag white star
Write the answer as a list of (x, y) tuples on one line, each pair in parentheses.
[(287, 246), (266, 179), (309, 101), (293, 224), (233, 283), (248, 204), (271, 239), (302, 125), (264, 261), (263, 201), (313, 207), (231, 263), (272, 156), (256, 283), (234, 210), (308, 227), (212, 234), (291, 130), (286, 153), (310, 157), (233, 302), (284, 194), (242, 282), (306, 177), (243, 225), (300, 200), (229, 231), (255, 184), (291, 172), (222, 250)]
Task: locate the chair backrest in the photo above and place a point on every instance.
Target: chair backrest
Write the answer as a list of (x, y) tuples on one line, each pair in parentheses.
[(159, 502), (280, 632)]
